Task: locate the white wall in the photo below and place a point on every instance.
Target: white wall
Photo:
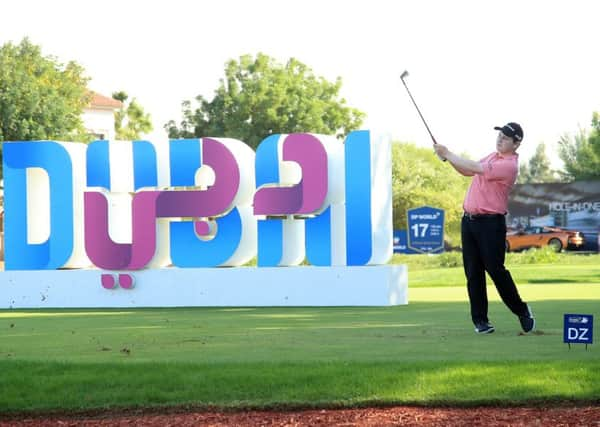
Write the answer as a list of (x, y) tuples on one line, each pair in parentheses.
[(99, 122), (381, 285)]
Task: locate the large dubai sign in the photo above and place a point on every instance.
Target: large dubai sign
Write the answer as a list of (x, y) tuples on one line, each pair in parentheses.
[(132, 216)]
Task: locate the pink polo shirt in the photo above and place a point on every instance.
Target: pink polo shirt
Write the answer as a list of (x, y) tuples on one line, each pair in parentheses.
[(488, 193)]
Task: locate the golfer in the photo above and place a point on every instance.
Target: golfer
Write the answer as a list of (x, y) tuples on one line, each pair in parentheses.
[(483, 227)]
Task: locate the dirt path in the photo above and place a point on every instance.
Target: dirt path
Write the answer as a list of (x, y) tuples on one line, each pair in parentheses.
[(588, 416)]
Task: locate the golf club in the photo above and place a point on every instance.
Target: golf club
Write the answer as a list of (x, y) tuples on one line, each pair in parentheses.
[(402, 77)]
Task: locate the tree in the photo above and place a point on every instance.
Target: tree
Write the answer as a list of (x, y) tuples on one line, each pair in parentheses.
[(40, 98), (594, 139), (538, 169), (524, 174), (420, 178), (581, 153), (260, 97), (131, 121)]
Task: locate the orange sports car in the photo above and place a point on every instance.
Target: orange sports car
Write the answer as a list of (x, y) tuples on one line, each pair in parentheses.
[(537, 237)]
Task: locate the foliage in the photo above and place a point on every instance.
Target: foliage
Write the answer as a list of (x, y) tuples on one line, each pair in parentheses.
[(538, 169), (419, 178), (40, 98), (450, 259), (131, 121), (594, 139), (580, 153), (259, 97), (544, 255)]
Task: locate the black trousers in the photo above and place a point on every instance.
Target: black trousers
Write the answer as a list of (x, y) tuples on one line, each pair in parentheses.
[(483, 245)]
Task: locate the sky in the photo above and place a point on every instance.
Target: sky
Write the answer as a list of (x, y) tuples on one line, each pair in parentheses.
[(473, 65)]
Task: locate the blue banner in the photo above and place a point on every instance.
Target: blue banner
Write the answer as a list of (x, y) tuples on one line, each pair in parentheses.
[(401, 243)]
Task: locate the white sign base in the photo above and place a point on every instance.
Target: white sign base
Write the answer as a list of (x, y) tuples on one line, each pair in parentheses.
[(381, 285)]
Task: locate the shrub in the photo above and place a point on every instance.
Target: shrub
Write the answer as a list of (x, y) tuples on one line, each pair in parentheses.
[(545, 255), (450, 259)]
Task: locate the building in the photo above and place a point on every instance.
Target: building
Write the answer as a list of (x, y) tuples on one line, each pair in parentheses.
[(99, 118)]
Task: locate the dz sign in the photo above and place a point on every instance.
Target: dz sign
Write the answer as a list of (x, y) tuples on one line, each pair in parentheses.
[(578, 328)]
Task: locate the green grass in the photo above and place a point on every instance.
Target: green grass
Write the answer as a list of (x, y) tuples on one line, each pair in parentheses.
[(422, 353), (522, 274), (530, 267)]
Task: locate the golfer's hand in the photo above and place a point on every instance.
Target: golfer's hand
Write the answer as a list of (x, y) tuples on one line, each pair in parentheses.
[(441, 150)]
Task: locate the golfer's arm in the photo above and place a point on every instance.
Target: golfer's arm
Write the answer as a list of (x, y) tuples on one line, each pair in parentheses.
[(464, 166), (461, 171)]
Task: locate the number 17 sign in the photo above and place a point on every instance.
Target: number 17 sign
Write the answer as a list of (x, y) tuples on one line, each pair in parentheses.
[(426, 229)]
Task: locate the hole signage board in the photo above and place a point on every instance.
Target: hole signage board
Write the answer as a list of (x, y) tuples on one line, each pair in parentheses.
[(426, 229)]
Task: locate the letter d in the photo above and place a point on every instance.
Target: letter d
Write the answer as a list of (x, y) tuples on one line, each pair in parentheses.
[(53, 158)]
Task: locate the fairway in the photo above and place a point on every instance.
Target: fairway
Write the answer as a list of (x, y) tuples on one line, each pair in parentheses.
[(524, 274), (425, 352)]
